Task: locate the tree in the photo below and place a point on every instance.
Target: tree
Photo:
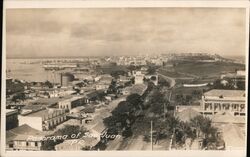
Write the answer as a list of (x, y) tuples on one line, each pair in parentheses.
[(241, 85), (18, 97), (135, 100), (151, 69), (157, 100), (153, 78), (163, 82), (81, 84), (110, 122), (117, 73), (122, 108), (48, 84), (204, 125), (112, 88), (121, 116), (127, 132), (70, 130), (131, 67)]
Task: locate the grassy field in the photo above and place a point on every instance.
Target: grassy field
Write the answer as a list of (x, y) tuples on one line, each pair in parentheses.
[(206, 69), (199, 72), (193, 72)]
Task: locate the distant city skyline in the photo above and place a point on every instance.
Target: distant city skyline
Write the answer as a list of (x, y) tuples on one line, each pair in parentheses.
[(35, 33)]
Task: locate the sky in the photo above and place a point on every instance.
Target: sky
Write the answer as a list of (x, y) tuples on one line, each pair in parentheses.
[(123, 31)]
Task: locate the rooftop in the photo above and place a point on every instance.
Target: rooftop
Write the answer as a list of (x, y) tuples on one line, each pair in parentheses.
[(46, 101), (226, 117), (44, 113), (233, 136), (187, 114), (71, 98), (33, 107), (22, 133), (94, 93), (10, 111), (225, 93)]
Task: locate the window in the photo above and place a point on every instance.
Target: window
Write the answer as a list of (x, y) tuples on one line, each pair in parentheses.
[(23, 143), (216, 106), (242, 107), (237, 107), (36, 144)]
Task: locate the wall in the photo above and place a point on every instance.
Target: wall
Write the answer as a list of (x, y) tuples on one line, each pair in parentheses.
[(34, 122)]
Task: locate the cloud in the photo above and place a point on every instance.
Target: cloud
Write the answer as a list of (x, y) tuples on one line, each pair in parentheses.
[(48, 32)]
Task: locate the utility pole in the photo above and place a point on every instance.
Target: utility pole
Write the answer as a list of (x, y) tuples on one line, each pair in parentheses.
[(151, 135), (164, 105), (170, 96)]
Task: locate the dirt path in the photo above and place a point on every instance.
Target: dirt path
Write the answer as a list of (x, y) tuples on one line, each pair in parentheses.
[(169, 79)]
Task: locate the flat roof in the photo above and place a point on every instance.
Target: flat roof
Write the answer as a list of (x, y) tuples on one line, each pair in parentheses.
[(10, 111), (225, 93), (45, 101), (42, 113)]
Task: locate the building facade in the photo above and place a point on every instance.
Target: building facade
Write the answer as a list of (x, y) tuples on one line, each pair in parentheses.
[(25, 138), (43, 120), (11, 119), (215, 101), (138, 77), (71, 102), (66, 78)]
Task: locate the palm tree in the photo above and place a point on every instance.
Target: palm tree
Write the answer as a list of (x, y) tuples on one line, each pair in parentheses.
[(204, 125)]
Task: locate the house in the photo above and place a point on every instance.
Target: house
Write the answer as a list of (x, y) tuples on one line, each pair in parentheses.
[(238, 77), (123, 78), (139, 77), (104, 82), (43, 120), (32, 108), (95, 95), (19, 138), (59, 92), (77, 109), (71, 102), (46, 102), (102, 86), (96, 126), (98, 130)]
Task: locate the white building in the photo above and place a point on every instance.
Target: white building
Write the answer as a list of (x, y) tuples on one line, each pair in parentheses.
[(215, 101), (138, 77), (71, 102), (241, 72), (43, 120), (24, 138)]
